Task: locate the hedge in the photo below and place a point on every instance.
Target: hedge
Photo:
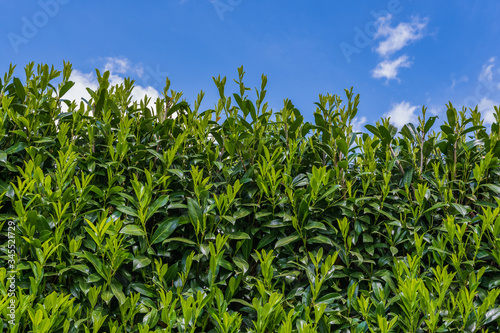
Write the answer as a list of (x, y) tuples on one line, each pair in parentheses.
[(155, 216)]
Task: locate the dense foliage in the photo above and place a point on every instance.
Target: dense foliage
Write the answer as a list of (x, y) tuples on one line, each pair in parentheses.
[(132, 218)]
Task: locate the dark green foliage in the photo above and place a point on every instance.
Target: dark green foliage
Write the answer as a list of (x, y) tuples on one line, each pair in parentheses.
[(132, 218)]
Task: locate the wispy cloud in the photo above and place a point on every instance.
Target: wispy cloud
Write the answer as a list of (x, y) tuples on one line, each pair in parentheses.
[(454, 82), (122, 65), (389, 68), (434, 110), (400, 36), (401, 114), (486, 94), (486, 73), (393, 40)]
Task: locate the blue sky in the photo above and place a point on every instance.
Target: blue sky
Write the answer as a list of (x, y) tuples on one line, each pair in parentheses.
[(397, 54)]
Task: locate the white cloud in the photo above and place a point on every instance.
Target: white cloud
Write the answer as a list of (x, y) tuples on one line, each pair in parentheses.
[(118, 67), (389, 68), (139, 92), (82, 81), (393, 40), (357, 124), (121, 65), (400, 36), (434, 110), (486, 76), (487, 70), (485, 106), (401, 114)]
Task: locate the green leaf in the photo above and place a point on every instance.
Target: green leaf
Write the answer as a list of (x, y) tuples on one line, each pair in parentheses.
[(446, 129), (157, 155), (238, 235), (367, 238), (362, 327), (177, 172), (267, 239), (240, 103), (439, 250), (45, 140), (262, 213), (303, 210), (245, 303), (127, 210), (96, 190), (194, 210), (132, 229), (287, 240), (242, 212), (164, 230), (329, 192), (143, 289), (314, 225), (140, 262), (406, 132), (179, 239), (408, 177), (342, 146), (492, 187), (321, 239), (171, 273), (491, 315), (472, 129), (329, 298), (429, 123), (81, 268), (20, 133), (179, 106), (319, 120), (95, 262), (20, 92), (64, 89), (226, 264), (436, 206), (241, 264), (460, 208), (160, 202), (100, 102), (370, 249), (117, 291), (451, 114), (374, 130), (15, 148), (177, 205), (230, 219), (115, 189)]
